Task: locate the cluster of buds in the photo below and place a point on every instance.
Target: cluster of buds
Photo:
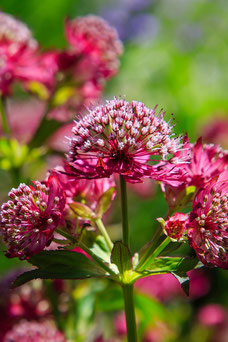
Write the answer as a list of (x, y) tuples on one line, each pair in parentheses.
[(29, 218), (34, 332)]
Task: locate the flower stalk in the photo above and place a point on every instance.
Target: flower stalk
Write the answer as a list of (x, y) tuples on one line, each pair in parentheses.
[(130, 313), (124, 208), (5, 126), (104, 232)]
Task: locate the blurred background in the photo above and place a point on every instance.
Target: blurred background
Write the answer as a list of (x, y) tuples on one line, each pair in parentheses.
[(175, 56)]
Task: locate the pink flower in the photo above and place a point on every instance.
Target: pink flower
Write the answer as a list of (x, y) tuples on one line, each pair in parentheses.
[(93, 36), (175, 226), (86, 191), (208, 224), (199, 283), (29, 218), (20, 60), (34, 332), (120, 137), (212, 315), (203, 163), (163, 286)]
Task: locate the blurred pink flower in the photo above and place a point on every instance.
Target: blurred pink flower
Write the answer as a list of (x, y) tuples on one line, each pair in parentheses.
[(163, 286), (20, 59), (212, 315), (199, 283), (34, 332), (216, 130), (208, 224), (29, 218), (93, 36), (145, 190)]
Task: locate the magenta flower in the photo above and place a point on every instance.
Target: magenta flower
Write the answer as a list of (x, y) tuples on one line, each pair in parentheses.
[(94, 37), (88, 192), (120, 137), (204, 162), (20, 60), (175, 226), (29, 218), (212, 315), (34, 332), (208, 226)]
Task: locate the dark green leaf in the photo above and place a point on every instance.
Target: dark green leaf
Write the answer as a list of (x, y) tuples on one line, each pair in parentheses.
[(121, 256), (60, 265)]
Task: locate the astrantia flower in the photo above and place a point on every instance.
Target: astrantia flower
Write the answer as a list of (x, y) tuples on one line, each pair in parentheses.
[(88, 192), (208, 226), (19, 58), (34, 332), (175, 226), (93, 36), (29, 219), (204, 162), (120, 137)]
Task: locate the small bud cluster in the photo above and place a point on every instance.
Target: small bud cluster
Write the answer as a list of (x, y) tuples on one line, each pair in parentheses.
[(120, 137), (175, 226), (29, 218), (208, 227), (34, 332)]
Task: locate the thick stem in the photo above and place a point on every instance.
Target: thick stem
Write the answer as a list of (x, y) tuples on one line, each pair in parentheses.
[(103, 231), (124, 208), (5, 126), (130, 313)]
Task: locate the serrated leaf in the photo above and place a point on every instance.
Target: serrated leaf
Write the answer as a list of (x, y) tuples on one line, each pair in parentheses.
[(121, 257), (61, 265), (81, 210), (105, 201), (171, 264)]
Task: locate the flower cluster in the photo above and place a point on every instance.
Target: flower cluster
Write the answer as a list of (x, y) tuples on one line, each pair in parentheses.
[(20, 60), (203, 162), (208, 223), (29, 218), (34, 332), (120, 137), (90, 60)]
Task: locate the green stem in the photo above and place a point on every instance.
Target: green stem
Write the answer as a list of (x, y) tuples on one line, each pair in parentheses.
[(124, 208), (154, 254), (5, 126), (130, 312), (103, 231)]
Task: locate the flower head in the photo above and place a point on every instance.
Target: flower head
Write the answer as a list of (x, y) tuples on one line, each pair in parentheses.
[(93, 36), (175, 226), (19, 59), (14, 30), (34, 332), (208, 224), (29, 218), (120, 137)]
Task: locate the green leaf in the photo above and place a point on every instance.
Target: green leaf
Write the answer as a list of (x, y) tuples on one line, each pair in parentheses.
[(60, 265), (105, 201), (101, 249), (121, 257), (171, 264), (81, 210), (183, 279)]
